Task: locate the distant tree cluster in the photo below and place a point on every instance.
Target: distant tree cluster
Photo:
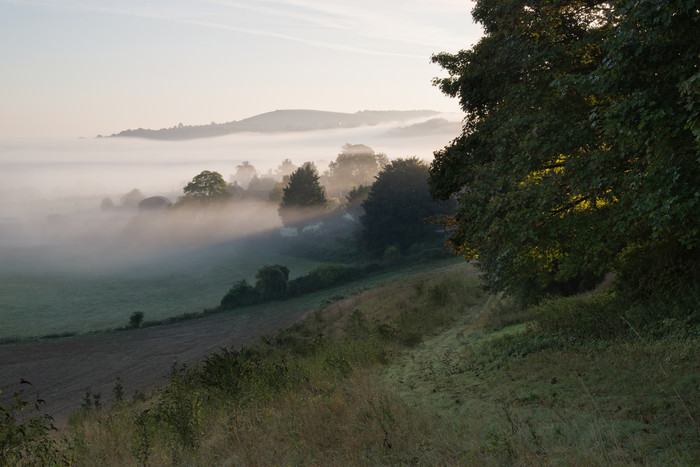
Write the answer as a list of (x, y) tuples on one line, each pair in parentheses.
[(129, 200), (382, 205)]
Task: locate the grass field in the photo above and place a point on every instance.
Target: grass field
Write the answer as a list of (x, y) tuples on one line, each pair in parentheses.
[(48, 299)]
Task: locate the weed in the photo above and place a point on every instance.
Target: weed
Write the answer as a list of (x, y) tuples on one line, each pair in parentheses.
[(339, 365), (28, 440), (91, 400), (118, 390), (439, 294), (144, 429), (179, 408), (86, 403)]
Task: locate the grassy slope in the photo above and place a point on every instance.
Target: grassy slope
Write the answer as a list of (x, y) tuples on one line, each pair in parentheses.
[(623, 401), (425, 370)]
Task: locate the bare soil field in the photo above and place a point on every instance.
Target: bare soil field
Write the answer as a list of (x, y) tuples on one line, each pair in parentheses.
[(62, 370)]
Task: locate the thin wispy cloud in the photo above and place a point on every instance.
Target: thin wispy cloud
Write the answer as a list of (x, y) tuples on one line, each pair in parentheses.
[(390, 27), (389, 20), (315, 43)]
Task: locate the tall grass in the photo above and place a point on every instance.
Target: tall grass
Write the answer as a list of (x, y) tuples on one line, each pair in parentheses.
[(562, 390)]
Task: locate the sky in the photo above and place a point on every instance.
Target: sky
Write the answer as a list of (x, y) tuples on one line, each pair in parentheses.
[(82, 68)]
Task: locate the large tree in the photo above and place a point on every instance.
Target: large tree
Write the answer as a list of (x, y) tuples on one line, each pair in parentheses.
[(205, 188), (356, 165), (245, 172), (132, 198), (303, 197), (577, 142), (398, 205)]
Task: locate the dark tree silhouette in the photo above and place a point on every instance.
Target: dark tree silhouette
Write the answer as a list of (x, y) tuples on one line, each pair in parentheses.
[(398, 205), (303, 197)]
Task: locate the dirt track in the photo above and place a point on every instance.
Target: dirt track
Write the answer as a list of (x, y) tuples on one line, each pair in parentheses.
[(61, 370)]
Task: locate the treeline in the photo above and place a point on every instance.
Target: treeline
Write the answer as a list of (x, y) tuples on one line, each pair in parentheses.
[(272, 283), (364, 203)]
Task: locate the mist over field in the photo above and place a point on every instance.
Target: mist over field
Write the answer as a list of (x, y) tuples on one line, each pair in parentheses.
[(48, 169), (66, 265)]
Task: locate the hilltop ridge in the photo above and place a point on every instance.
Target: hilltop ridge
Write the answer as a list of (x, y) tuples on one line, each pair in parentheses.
[(290, 120)]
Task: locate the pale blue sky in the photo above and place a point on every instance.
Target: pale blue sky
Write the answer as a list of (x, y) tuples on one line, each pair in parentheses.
[(86, 67)]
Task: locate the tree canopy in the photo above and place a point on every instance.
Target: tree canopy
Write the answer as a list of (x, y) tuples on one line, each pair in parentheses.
[(285, 169), (245, 172), (398, 205), (580, 140), (356, 165), (355, 198), (132, 198), (205, 188), (303, 197)]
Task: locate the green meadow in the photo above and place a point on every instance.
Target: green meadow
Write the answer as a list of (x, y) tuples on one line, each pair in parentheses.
[(59, 300)]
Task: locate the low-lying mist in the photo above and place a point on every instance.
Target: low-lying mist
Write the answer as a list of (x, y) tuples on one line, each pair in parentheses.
[(67, 264), (42, 169), (106, 241), (91, 271)]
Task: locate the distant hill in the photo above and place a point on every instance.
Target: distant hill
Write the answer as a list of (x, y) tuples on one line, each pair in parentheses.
[(280, 121), (428, 127)]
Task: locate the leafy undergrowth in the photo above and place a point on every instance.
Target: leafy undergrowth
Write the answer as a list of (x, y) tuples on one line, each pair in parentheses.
[(426, 370)]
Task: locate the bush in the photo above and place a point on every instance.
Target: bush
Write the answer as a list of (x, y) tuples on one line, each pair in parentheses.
[(592, 315), (324, 276), (660, 271), (303, 285), (392, 254), (240, 294), (271, 282), (136, 319), (26, 439), (333, 274)]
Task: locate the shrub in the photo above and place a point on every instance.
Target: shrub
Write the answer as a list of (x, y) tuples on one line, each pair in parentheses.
[(136, 319), (303, 285), (26, 439), (663, 271), (392, 254), (333, 274), (240, 294), (179, 411), (271, 282), (591, 315), (324, 276)]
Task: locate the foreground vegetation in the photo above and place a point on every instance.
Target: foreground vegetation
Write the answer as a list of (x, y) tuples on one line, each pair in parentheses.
[(426, 370)]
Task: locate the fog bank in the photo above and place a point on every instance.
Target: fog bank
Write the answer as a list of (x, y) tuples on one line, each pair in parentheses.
[(68, 264)]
